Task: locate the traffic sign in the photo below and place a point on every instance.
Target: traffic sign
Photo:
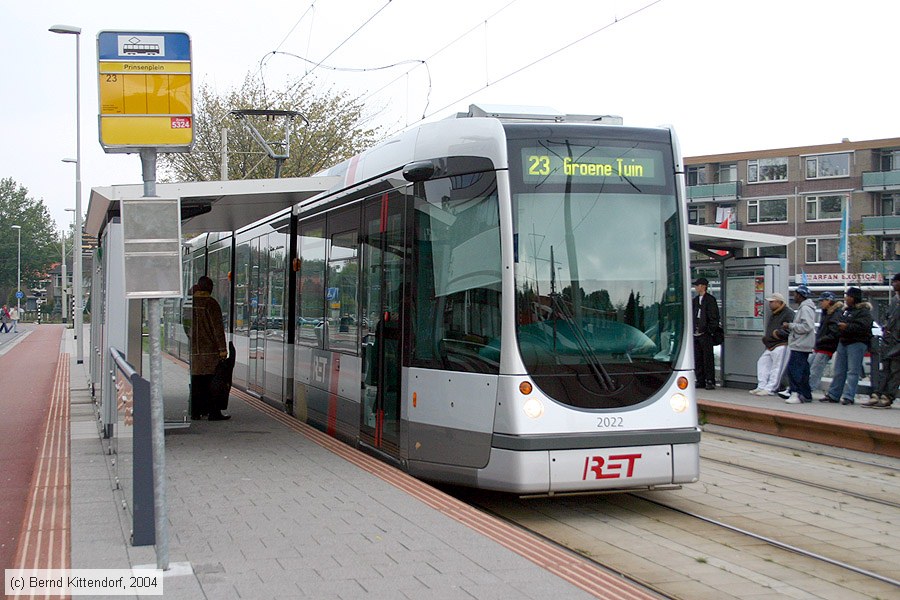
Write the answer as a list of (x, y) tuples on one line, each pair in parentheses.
[(145, 91), (20, 294)]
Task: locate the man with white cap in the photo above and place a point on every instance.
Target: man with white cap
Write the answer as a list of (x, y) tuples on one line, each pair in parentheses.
[(801, 341), (770, 365)]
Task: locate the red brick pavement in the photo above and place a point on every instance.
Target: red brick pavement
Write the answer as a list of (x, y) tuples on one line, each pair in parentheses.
[(28, 374)]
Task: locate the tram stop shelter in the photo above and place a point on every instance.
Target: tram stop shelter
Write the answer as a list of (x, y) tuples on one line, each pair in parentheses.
[(206, 207)]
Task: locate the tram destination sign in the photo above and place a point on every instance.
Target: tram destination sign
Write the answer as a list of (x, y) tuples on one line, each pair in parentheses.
[(557, 163), (145, 91)]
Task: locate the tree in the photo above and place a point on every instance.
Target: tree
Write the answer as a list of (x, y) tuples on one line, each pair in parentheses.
[(40, 240), (337, 130)]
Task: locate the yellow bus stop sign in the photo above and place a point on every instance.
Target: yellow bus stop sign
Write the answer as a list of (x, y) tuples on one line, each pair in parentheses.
[(145, 91)]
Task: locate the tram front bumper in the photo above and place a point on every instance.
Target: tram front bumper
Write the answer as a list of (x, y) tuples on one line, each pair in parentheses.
[(592, 469)]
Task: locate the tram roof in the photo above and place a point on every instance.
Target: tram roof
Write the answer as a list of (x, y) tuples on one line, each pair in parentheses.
[(702, 237), (208, 206)]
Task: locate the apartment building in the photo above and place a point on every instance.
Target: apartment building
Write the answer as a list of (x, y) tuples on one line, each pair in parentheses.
[(801, 192)]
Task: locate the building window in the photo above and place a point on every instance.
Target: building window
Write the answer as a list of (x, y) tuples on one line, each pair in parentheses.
[(891, 248), (728, 173), (773, 251), (771, 210), (823, 208), (767, 169), (890, 160), (828, 165), (697, 215), (822, 250), (890, 204), (696, 175)]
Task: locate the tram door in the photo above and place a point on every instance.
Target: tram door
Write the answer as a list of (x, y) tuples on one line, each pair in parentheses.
[(259, 267), (382, 318)]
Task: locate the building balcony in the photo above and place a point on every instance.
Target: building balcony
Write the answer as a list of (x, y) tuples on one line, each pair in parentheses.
[(716, 192), (880, 181), (885, 267), (881, 225)]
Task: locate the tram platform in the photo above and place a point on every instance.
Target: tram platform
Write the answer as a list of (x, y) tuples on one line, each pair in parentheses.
[(854, 427), (262, 506)]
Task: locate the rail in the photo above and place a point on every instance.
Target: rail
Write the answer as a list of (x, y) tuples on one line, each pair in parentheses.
[(132, 446)]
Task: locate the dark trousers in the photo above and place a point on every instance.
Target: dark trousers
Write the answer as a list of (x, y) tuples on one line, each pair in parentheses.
[(798, 374), (704, 361), (890, 377), (200, 395)]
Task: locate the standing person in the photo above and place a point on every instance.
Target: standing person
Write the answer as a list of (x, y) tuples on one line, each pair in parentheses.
[(706, 321), (826, 337), (770, 365), (5, 318), (14, 316), (801, 341), (855, 326), (884, 395), (208, 347)]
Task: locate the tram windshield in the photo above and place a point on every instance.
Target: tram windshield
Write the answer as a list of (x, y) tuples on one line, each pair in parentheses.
[(598, 267)]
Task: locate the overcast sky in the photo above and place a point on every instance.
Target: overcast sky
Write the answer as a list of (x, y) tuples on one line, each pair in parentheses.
[(729, 75)]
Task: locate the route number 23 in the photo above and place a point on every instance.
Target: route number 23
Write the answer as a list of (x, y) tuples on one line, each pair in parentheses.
[(538, 165)]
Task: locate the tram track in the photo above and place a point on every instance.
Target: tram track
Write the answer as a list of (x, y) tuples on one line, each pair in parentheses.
[(859, 496), (764, 519), (810, 448), (775, 543)]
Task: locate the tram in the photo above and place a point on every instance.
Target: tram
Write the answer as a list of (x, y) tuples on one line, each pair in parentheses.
[(489, 302)]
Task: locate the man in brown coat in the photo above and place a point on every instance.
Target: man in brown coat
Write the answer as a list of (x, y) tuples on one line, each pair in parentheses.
[(208, 347)]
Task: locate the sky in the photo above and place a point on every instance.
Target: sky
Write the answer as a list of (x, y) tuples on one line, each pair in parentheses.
[(730, 76)]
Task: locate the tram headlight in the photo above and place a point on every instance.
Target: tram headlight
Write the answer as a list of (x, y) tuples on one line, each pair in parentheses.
[(678, 402), (534, 408)]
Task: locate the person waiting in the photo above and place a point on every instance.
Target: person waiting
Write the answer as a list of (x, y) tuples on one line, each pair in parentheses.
[(883, 396), (801, 341), (826, 338), (855, 325), (770, 365), (706, 321)]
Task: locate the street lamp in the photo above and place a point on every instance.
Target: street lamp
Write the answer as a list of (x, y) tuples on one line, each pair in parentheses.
[(65, 275), (76, 251), (19, 271)]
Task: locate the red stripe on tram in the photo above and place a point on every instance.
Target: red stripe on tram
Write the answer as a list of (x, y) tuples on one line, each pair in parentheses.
[(384, 212), (333, 395)]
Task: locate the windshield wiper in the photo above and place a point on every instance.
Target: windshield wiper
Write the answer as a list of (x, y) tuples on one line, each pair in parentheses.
[(606, 382)]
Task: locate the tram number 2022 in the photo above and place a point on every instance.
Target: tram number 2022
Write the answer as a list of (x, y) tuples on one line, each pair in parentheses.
[(610, 422)]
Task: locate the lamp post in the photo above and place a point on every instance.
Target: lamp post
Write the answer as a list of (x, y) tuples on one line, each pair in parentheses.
[(19, 270), (65, 275), (76, 250)]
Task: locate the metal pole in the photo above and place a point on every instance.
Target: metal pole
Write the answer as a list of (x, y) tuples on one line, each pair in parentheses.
[(19, 271), (76, 251), (223, 169), (64, 306), (65, 274), (157, 411)]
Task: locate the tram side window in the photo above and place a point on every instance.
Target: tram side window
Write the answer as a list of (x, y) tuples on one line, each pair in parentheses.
[(277, 304), (341, 295), (456, 315), (242, 289), (311, 283), (218, 269)]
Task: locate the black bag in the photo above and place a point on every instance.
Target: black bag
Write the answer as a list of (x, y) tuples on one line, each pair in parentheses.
[(718, 335), (220, 386)]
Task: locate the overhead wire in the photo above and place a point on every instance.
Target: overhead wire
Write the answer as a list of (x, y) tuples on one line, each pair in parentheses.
[(481, 23), (545, 57)]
